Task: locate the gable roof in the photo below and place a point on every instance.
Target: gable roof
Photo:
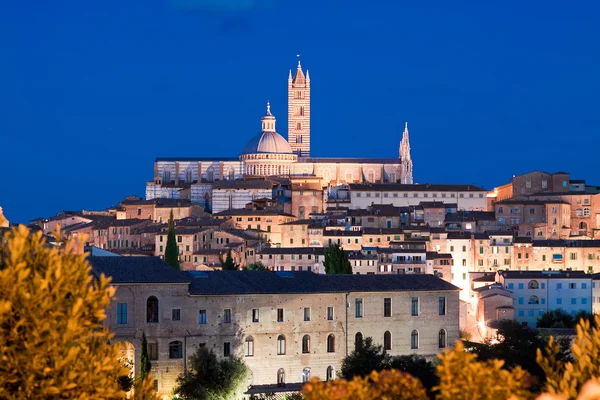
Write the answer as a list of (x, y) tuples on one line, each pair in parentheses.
[(136, 270), (267, 282)]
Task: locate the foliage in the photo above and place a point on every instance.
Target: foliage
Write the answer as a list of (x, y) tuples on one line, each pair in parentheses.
[(336, 261), (126, 381), (145, 364), (463, 377), (384, 385), (52, 343), (228, 264), (273, 396), (516, 346), (555, 319), (418, 367), (465, 335), (364, 359), (209, 378), (568, 378), (171, 251), (256, 267)]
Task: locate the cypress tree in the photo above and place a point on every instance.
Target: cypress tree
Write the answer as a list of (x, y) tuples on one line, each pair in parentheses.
[(145, 364), (228, 264), (336, 260), (171, 251)]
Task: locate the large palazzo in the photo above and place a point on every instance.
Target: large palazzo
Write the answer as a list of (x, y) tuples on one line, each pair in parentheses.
[(268, 154)]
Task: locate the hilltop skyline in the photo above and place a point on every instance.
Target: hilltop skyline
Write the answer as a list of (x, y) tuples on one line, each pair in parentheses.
[(93, 94)]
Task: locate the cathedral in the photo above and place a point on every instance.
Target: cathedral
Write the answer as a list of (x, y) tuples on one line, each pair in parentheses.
[(268, 154)]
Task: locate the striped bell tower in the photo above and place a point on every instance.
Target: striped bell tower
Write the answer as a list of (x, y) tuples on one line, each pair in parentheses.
[(299, 112)]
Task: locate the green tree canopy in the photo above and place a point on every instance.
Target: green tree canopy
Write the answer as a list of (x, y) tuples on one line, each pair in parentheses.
[(209, 378), (228, 264), (145, 364), (52, 343), (418, 367), (258, 266), (365, 358), (336, 260), (171, 251)]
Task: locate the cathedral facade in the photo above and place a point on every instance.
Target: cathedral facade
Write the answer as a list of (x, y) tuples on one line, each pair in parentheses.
[(268, 154)]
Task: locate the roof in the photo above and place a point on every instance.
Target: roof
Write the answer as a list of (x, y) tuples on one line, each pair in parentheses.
[(298, 222), (491, 277), (245, 211), (159, 202), (242, 184), (339, 160), (463, 216), (337, 232), (431, 255), (531, 202), (566, 243), (267, 142), (292, 250), (136, 270), (425, 187), (214, 159), (545, 275), (267, 282)]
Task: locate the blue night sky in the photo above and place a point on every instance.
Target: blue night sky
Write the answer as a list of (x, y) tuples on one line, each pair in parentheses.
[(92, 92)]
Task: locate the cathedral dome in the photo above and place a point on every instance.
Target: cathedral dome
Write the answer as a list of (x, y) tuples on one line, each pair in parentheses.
[(267, 142)]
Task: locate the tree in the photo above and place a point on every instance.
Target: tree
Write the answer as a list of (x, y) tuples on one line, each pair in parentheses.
[(336, 260), (209, 378), (364, 359), (256, 267), (390, 385), (555, 319), (52, 343), (228, 264), (418, 367), (171, 251), (145, 364)]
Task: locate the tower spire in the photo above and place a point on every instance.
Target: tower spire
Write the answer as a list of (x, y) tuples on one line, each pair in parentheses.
[(268, 121), (405, 159)]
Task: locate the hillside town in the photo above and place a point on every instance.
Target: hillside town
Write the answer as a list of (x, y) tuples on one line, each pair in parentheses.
[(428, 261)]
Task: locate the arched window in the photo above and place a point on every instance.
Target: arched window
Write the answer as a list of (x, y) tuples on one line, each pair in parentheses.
[(586, 212), (188, 175), (167, 176), (582, 226), (534, 300), (298, 126), (210, 174), (280, 377), (578, 212), (231, 174), (249, 346), (533, 285), (442, 338), (414, 339), (387, 340), (175, 350), (306, 344), (305, 374), (358, 341), (280, 345), (301, 111), (152, 309), (330, 375), (331, 344)]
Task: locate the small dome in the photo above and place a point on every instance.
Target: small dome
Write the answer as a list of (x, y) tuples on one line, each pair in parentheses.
[(268, 142)]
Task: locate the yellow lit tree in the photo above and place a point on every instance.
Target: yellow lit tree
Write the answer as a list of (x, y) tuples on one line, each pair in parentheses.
[(52, 343)]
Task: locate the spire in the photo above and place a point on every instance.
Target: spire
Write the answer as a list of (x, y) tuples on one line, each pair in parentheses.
[(268, 121), (299, 77), (405, 159), (290, 76), (307, 76)]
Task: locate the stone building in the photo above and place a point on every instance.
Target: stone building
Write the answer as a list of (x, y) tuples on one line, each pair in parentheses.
[(287, 326), (270, 154), (235, 194)]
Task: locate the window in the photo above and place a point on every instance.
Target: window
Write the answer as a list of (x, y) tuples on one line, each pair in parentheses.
[(521, 286), (331, 343), (152, 309), (249, 345), (202, 317), (534, 300), (414, 339), (306, 313), (358, 308), (280, 345), (586, 212), (415, 306), (153, 350), (226, 349), (573, 300), (584, 285), (559, 285), (280, 377), (533, 285), (255, 315), (572, 285), (305, 375), (280, 315), (122, 314), (387, 307), (227, 316), (442, 305), (358, 340), (442, 338), (176, 314), (305, 344), (330, 374), (544, 184), (387, 340), (175, 350), (329, 313)]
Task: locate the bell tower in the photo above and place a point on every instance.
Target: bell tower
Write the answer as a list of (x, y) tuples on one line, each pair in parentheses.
[(299, 112)]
